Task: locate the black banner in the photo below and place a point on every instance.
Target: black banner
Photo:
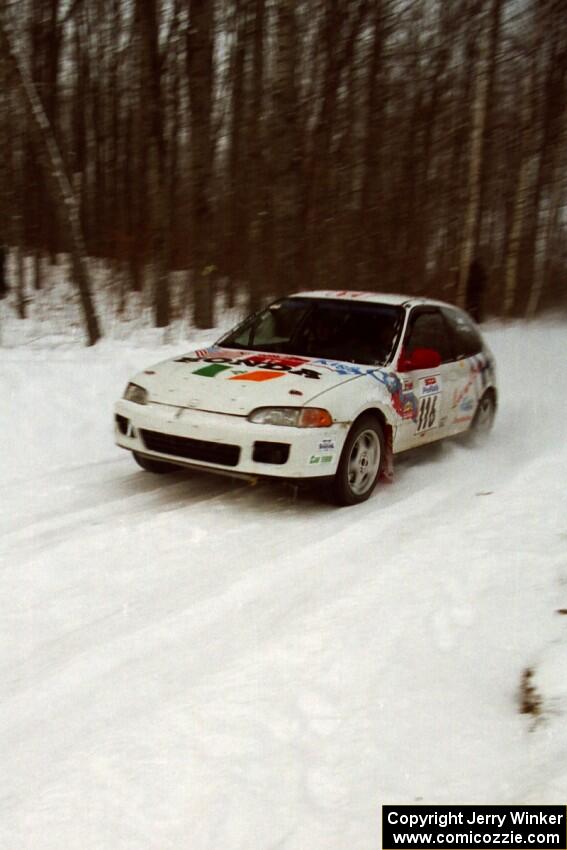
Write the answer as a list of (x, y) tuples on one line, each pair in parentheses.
[(474, 826)]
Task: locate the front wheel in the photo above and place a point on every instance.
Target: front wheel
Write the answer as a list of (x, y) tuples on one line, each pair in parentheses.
[(159, 467), (361, 462)]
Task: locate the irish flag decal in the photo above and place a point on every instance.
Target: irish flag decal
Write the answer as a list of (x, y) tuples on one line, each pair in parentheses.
[(214, 369)]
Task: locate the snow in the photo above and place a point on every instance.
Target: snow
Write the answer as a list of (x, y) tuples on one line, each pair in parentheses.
[(189, 661)]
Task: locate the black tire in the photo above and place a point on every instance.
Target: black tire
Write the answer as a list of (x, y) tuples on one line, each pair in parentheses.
[(483, 419), (159, 467), (361, 462)]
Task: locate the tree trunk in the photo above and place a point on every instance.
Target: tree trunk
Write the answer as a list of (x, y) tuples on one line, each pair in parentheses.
[(21, 300), (37, 269), (524, 134), (236, 208), (492, 66), (255, 161), (549, 152), (369, 238), (66, 201), (286, 148), (479, 110), (200, 38), (3, 278), (542, 268), (152, 63), (514, 241)]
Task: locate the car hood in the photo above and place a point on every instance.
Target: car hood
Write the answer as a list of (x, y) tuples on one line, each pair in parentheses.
[(229, 381)]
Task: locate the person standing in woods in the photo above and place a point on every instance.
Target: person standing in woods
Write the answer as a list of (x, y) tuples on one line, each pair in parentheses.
[(476, 283)]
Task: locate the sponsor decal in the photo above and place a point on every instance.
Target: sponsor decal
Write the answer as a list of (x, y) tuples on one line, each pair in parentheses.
[(327, 445), (461, 420), (480, 367), (261, 375), (320, 459), (403, 399), (266, 366), (409, 409), (403, 402), (429, 386), (339, 367), (390, 380), (467, 404), (229, 355), (402, 395), (212, 370)]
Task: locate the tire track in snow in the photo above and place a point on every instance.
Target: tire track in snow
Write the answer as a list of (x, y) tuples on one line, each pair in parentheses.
[(77, 512)]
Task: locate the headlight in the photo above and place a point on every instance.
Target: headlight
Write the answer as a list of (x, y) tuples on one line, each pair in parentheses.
[(297, 417), (135, 393)]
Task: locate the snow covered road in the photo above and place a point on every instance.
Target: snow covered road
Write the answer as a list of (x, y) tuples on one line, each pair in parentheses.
[(194, 662)]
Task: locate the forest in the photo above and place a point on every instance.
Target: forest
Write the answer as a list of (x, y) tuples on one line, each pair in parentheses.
[(262, 147)]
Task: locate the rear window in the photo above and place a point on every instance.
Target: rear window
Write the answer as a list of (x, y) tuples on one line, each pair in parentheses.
[(465, 337)]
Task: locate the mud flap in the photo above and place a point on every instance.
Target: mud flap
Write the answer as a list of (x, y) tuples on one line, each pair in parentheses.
[(387, 471)]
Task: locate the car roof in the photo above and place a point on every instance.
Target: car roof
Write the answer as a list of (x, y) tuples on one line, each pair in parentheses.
[(394, 299)]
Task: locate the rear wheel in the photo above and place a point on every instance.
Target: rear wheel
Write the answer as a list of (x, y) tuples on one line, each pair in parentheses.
[(159, 467), (484, 417), (360, 464)]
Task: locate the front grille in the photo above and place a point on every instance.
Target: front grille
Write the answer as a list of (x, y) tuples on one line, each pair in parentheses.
[(203, 450)]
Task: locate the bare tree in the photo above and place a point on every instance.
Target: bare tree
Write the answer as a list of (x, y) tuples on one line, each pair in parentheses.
[(484, 71), (255, 169), (200, 71), (66, 201), (152, 64)]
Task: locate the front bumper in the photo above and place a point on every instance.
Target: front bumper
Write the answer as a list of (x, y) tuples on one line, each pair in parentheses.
[(227, 444)]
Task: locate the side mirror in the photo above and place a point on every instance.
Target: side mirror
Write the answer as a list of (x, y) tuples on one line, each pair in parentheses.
[(420, 358)]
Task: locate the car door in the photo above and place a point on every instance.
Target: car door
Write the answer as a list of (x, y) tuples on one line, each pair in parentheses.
[(469, 369), (431, 387)]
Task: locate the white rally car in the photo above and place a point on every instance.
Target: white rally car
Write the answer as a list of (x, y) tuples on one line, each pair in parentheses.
[(318, 385)]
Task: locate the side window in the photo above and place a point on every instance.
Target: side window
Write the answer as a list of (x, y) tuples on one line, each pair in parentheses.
[(466, 339), (428, 329)]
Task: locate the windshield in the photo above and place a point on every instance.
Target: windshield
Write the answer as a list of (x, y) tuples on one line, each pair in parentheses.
[(351, 331)]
